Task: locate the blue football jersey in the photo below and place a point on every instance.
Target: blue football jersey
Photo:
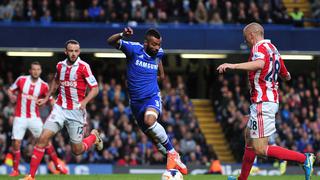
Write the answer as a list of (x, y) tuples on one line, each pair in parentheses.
[(142, 70)]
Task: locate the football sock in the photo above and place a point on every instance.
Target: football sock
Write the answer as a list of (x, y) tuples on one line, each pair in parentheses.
[(16, 159), (248, 159), (52, 153), (88, 141), (285, 154), (36, 158), (158, 132)]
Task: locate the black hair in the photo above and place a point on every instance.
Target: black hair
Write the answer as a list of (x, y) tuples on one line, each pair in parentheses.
[(35, 63), (152, 32), (71, 41)]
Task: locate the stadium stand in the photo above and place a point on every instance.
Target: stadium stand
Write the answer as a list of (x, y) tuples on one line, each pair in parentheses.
[(155, 11)]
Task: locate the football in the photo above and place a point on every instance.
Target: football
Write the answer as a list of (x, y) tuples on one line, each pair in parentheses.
[(172, 174)]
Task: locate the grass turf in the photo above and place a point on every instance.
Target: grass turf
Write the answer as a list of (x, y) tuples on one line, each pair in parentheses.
[(151, 177)]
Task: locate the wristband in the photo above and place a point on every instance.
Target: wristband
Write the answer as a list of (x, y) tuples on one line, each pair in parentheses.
[(121, 34)]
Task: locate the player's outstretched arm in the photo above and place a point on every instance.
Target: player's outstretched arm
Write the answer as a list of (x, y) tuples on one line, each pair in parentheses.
[(286, 77), (114, 39), (284, 73), (247, 66)]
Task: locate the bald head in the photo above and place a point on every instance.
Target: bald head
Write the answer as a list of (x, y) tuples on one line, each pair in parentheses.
[(254, 28), (253, 33)]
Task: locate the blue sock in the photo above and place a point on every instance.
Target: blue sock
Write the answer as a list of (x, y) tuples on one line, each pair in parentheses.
[(167, 144), (157, 132)]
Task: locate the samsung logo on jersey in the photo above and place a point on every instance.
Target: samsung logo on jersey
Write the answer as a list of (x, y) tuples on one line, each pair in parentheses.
[(146, 65)]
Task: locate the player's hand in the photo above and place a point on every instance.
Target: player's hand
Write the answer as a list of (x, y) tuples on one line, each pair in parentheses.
[(127, 32), (41, 102), (223, 67), (82, 105)]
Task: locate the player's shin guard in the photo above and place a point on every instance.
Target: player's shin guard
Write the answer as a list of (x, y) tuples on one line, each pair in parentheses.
[(16, 159), (285, 154), (36, 158), (52, 153), (158, 132), (248, 159)]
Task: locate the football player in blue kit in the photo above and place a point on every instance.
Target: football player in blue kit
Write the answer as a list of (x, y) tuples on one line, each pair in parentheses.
[(143, 62)]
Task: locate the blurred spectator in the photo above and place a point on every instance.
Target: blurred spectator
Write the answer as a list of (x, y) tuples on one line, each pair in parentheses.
[(58, 10), (315, 7), (6, 11), (227, 12), (215, 19), (72, 13), (46, 18), (201, 15), (297, 17)]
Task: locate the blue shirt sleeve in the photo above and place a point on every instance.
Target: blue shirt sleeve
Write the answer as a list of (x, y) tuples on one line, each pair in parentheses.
[(160, 55), (126, 47)]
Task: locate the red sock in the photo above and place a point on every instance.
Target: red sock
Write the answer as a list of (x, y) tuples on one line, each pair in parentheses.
[(285, 154), (52, 153), (16, 159), (88, 141), (247, 162), (36, 158)]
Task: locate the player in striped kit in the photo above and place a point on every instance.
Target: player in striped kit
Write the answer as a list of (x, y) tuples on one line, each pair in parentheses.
[(25, 91), (73, 76), (264, 67)]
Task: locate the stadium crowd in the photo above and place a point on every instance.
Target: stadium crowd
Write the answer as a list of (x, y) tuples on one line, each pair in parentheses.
[(146, 11), (109, 112), (298, 120)]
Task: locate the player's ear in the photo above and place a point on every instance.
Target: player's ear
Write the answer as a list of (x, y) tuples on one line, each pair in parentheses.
[(145, 42)]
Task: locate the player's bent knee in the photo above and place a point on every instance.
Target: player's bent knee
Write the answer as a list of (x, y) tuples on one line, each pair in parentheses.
[(150, 117), (260, 151), (77, 149), (45, 137)]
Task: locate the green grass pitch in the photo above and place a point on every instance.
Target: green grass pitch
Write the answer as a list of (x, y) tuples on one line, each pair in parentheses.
[(151, 177)]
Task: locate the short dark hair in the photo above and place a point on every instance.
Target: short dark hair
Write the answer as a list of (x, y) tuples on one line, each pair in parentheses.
[(152, 32), (71, 41), (35, 63)]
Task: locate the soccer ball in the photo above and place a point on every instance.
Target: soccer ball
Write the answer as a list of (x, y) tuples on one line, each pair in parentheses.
[(172, 174)]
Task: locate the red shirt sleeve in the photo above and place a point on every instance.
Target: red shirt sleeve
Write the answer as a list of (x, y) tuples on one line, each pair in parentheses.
[(58, 69), (15, 85), (283, 69), (90, 79)]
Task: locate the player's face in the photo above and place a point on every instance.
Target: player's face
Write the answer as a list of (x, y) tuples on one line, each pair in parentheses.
[(72, 51), (35, 71), (152, 45), (248, 40)]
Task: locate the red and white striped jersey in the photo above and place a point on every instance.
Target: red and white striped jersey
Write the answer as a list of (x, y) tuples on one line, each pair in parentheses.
[(74, 80), (263, 83), (28, 94)]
